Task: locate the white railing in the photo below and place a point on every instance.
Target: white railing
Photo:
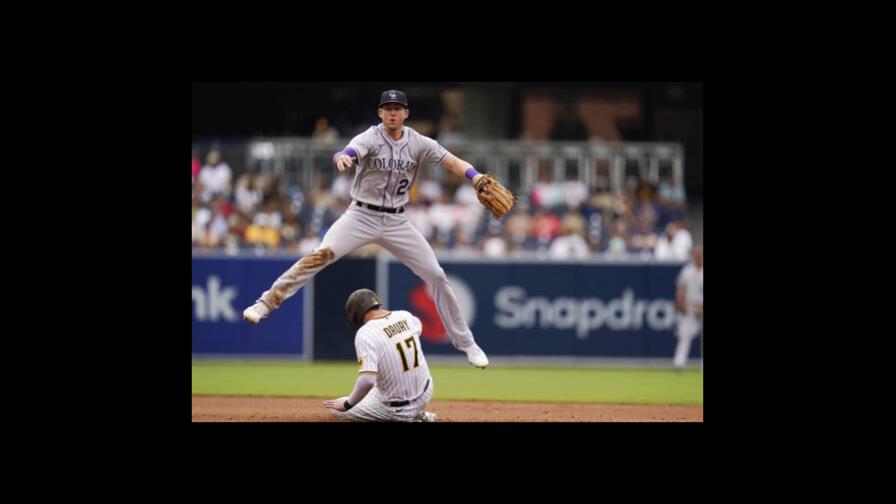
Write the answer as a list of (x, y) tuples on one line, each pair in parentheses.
[(600, 165)]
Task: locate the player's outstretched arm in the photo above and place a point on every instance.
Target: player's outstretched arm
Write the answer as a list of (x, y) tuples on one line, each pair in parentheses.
[(345, 158), (456, 165), (363, 385)]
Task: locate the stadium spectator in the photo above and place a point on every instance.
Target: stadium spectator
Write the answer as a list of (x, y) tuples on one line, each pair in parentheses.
[(426, 189), (324, 132), (570, 244), (645, 203), (341, 188), (517, 226), (575, 192), (671, 193), (265, 227), (215, 177), (321, 197), (290, 231), (545, 226), (617, 246), (211, 223), (239, 222), (546, 193), (671, 199), (644, 239), (443, 216), (248, 191), (493, 244), (675, 244), (462, 243), (466, 195), (419, 218), (573, 221)]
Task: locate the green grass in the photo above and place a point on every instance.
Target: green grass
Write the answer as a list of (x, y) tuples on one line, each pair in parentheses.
[(539, 384)]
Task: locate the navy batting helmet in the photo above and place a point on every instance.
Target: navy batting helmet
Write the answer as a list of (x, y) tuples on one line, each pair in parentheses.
[(358, 304)]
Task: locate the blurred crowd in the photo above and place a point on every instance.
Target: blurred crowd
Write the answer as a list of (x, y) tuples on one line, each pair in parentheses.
[(555, 219)]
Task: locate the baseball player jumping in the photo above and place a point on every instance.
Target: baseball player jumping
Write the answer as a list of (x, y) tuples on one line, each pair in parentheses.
[(394, 384), (389, 156)]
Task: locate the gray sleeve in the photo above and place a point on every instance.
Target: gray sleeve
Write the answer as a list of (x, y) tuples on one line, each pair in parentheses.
[(431, 152), (363, 143)]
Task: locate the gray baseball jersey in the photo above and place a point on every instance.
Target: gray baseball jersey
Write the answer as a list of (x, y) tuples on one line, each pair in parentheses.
[(691, 279), (390, 347), (689, 324), (387, 169)]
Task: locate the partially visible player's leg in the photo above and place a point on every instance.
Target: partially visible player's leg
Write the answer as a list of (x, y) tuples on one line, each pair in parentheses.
[(687, 328), (370, 409), (422, 414), (411, 248), (350, 231), (681, 352), (373, 409)]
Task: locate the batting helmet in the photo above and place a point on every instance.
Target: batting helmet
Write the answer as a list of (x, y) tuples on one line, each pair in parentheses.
[(359, 303)]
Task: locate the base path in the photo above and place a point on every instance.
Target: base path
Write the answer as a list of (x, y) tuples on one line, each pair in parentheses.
[(309, 409)]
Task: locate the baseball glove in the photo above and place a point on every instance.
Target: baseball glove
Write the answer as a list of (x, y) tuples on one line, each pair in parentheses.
[(493, 195)]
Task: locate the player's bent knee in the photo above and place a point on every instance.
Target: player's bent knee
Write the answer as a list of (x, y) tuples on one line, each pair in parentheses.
[(317, 259)]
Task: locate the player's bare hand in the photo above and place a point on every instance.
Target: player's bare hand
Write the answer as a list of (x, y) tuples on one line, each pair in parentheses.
[(336, 404), (344, 161)]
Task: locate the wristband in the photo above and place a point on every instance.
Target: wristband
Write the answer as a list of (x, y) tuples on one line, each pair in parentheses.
[(348, 152)]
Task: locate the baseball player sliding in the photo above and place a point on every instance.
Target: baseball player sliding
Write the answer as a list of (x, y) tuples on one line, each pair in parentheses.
[(394, 384), (389, 156)]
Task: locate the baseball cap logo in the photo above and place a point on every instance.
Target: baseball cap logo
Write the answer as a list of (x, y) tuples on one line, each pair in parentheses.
[(392, 95)]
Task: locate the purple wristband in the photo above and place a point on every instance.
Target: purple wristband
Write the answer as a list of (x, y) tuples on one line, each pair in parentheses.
[(471, 173), (348, 152)]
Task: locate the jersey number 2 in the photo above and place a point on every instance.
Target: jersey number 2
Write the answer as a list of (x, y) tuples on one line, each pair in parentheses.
[(402, 187), (410, 341)]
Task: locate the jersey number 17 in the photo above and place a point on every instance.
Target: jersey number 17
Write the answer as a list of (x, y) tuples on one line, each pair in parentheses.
[(409, 341)]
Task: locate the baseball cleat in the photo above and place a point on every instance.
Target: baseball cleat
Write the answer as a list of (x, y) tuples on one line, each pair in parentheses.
[(477, 357), (429, 417), (256, 312)]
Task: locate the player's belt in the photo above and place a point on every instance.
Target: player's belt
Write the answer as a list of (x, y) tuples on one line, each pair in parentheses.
[(379, 208), (405, 403)]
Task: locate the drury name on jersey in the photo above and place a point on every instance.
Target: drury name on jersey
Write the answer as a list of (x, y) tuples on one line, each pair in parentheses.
[(396, 328)]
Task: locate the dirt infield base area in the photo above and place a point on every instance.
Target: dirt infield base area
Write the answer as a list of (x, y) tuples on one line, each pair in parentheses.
[(304, 409)]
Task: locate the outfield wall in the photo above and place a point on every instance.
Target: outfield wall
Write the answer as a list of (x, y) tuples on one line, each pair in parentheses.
[(223, 287), (525, 308)]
